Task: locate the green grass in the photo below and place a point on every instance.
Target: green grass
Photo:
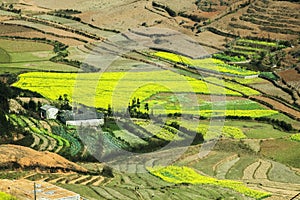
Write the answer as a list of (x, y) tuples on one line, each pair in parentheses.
[(20, 56), (83, 190), (257, 130), (174, 174), (237, 170), (21, 46), (212, 131), (262, 131), (206, 165), (11, 175), (208, 64), (36, 66), (282, 173), (170, 101), (269, 75), (31, 56), (159, 131), (282, 150), (164, 103), (4, 56)]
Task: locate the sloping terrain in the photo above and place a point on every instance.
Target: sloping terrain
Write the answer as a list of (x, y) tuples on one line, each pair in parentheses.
[(12, 155)]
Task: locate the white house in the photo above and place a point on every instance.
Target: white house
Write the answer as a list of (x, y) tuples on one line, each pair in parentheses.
[(49, 112), (88, 122)]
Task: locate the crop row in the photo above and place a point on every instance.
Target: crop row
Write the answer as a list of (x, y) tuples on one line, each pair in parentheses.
[(75, 145), (296, 137), (234, 86), (207, 64), (177, 175), (227, 58), (210, 132), (65, 141), (255, 43), (32, 126), (114, 88)]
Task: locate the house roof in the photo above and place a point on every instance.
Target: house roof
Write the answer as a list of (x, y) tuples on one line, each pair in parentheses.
[(70, 116), (47, 107)]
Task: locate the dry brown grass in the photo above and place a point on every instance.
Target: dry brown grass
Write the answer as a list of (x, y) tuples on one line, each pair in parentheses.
[(20, 31), (25, 157)]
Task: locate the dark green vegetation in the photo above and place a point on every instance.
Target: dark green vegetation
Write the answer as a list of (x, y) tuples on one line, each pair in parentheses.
[(258, 141)]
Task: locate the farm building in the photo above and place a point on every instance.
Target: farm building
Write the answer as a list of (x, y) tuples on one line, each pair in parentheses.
[(49, 112), (24, 189), (82, 119)]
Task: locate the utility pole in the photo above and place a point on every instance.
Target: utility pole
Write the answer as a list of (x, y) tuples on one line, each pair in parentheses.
[(34, 191)]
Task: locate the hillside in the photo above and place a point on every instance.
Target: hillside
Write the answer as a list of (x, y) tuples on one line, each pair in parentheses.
[(157, 99), (13, 156)]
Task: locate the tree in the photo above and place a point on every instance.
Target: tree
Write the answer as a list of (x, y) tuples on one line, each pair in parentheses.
[(107, 171), (66, 97), (32, 105), (60, 98), (147, 107), (5, 94), (11, 6), (109, 110), (138, 103)]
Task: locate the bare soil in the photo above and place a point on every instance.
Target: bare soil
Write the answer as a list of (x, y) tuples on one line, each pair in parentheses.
[(279, 106), (24, 157)]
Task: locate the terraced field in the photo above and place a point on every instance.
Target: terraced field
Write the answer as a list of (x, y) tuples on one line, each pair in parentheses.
[(255, 155), (258, 173), (268, 19), (212, 65), (58, 141), (77, 25), (21, 55), (142, 87), (50, 30)]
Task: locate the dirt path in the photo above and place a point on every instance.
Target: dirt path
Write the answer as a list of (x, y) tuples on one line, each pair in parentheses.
[(223, 169), (36, 140), (97, 183), (250, 170), (279, 106), (78, 179), (262, 171), (45, 143), (52, 143), (90, 180), (224, 160)]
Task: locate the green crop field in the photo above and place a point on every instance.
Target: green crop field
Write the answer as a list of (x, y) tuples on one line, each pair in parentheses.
[(257, 42), (21, 55), (256, 130), (4, 56), (209, 64), (174, 174), (21, 46), (212, 131), (114, 88)]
